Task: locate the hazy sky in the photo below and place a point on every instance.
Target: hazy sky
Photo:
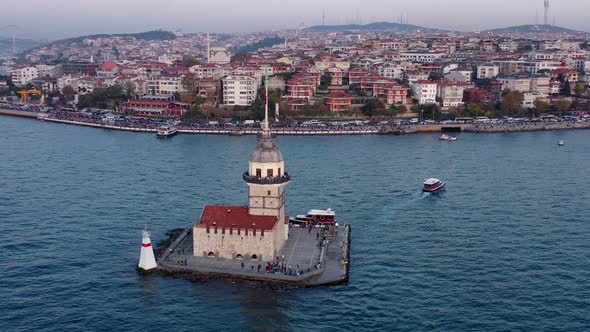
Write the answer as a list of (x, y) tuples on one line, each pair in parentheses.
[(54, 19)]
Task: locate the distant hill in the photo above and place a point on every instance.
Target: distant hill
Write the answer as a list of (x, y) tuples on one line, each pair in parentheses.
[(376, 26), (531, 29), (149, 35)]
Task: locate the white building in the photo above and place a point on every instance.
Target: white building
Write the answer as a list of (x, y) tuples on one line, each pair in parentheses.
[(165, 85), (451, 93), (170, 59), (23, 75), (48, 70), (391, 70), (420, 56), (424, 91), (487, 70), (239, 90), (464, 76), (531, 97)]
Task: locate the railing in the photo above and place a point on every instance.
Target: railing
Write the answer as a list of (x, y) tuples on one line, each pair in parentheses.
[(268, 180)]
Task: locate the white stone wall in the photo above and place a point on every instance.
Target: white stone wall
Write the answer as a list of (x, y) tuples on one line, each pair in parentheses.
[(227, 245)]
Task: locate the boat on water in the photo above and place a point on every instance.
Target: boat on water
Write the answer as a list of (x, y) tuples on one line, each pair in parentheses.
[(236, 133), (433, 185), (445, 137), (561, 142), (314, 217), (166, 131)]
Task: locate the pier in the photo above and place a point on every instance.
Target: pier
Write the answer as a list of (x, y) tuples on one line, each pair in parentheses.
[(315, 257)]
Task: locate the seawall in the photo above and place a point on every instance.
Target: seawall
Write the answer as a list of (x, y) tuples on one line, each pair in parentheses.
[(22, 114)]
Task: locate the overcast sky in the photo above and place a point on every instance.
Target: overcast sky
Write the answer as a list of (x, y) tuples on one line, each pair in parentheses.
[(54, 19)]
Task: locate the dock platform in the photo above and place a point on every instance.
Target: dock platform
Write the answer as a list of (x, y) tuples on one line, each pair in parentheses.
[(315, 257)]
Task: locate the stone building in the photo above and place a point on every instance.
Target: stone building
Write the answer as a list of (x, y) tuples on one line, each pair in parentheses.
[(259, 230)]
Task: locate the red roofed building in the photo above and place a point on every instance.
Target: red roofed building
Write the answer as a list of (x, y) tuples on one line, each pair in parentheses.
[(257, 231), (390, 92), (338, 101), (154, 108)]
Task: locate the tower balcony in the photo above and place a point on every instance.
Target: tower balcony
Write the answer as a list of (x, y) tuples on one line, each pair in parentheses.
[(266, 180)]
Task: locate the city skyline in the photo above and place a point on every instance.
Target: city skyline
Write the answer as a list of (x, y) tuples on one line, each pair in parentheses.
[(74, 18)]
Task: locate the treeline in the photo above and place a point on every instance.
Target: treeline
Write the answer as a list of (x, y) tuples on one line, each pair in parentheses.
[(267, 42), (112, 97)]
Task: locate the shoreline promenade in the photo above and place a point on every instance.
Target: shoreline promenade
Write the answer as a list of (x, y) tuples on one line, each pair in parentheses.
[(316, 131)]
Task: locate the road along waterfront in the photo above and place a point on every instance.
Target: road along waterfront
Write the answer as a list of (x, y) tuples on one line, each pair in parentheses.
[(290, 130)]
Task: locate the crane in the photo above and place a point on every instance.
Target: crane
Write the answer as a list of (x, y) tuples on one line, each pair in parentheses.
[(24, 94)]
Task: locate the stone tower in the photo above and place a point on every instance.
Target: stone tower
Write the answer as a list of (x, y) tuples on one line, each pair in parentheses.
[(267, 179)]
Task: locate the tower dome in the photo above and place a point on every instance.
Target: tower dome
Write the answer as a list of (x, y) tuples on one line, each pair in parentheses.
[(266, 151)]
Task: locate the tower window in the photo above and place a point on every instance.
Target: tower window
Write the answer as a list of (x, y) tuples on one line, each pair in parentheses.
[(259, 172), (269, 173), (279, 173)]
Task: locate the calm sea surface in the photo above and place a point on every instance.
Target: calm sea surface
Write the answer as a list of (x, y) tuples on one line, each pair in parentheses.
[(506, 247)]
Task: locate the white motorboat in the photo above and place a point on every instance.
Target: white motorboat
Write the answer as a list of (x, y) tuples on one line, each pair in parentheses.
[(445, 137), (432, 185)]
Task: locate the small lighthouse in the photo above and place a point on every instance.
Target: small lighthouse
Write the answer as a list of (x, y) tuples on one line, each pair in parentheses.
[(147, 261)]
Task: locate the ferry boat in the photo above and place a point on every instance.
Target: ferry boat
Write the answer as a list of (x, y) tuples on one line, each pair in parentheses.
[(445, 137), (561, 143), (166, 131), (432, 185), (314, 217)]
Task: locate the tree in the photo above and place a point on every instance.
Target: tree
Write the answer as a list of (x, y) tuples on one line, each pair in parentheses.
[(511, 102), (68, 92), (240, 57), (566, 88), (189, 61), (194, 114), (373, 107), (562, 106), (435, 76), (473, 110), (541, 106), (580, 88)]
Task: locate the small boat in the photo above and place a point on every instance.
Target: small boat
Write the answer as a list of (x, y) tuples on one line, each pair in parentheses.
[(314, 217), (166, 131), (561, 143), (432, 185), (236, 133), (445, 137)]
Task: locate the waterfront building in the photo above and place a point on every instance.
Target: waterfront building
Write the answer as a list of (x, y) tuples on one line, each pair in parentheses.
[(424, 91), (156, 108), (450, 93), (531, 97), (239, 90), (526, 83), (338, 101), (23, 75), (257, 231)]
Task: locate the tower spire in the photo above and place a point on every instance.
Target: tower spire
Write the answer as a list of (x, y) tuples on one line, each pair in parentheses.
[(265, 127)]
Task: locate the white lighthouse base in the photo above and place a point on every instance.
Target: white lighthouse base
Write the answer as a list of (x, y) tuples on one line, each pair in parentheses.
[(147, 260)]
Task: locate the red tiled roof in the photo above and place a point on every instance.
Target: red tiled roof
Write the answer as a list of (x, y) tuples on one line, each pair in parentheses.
[(108, 65), (235, 216)]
